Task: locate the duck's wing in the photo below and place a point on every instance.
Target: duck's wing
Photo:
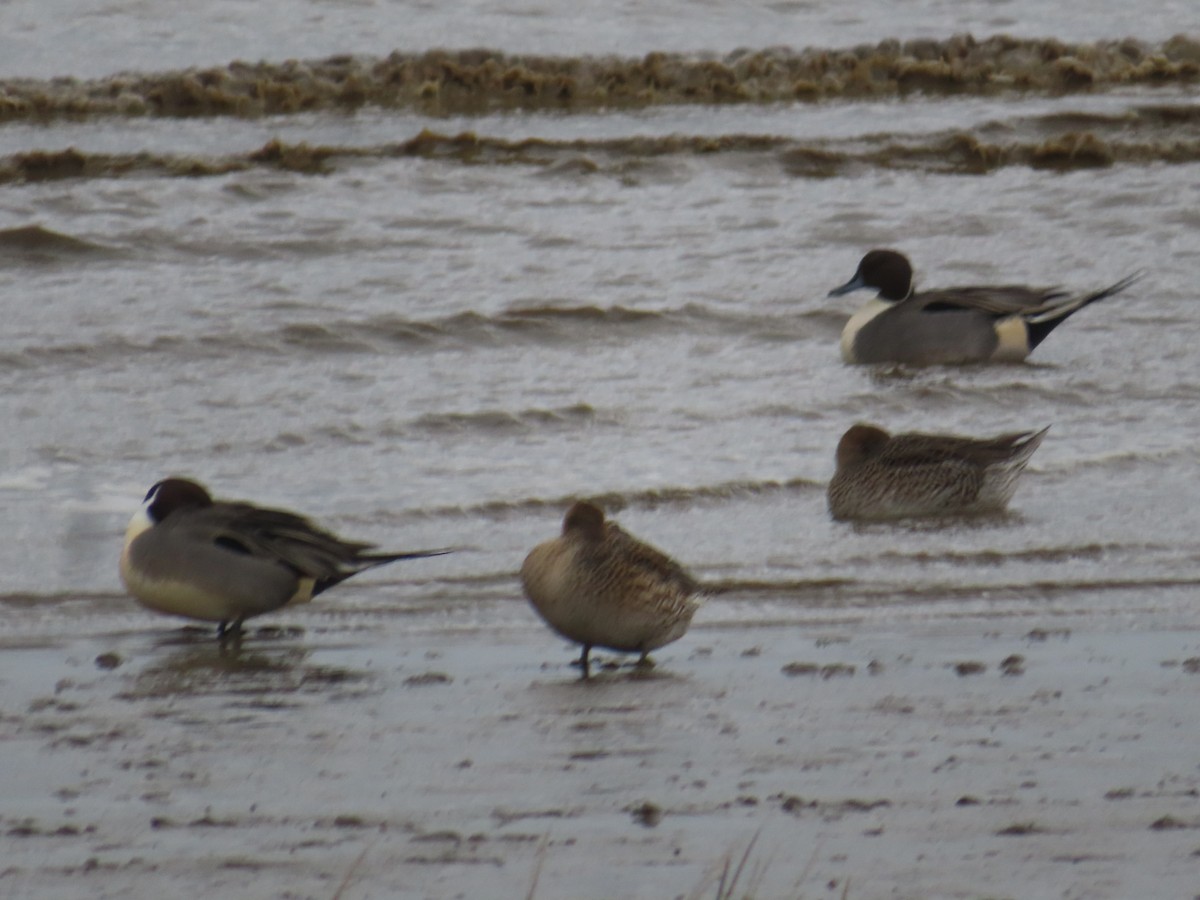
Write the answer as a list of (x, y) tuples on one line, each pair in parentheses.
[(925, 449), (640, 555), (997, 301), (277, 536)]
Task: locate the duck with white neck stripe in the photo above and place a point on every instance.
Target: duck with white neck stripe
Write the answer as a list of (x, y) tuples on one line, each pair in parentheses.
[(955, 325), (188, 555)]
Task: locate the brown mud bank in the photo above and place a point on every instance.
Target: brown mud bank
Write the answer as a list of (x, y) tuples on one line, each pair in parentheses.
[(1029, 754), (958, 153), (465, 81)]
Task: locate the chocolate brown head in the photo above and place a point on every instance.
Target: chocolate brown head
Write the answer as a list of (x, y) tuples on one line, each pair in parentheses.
[(888, 271), (859, 444), (173, 494), (586, 519)]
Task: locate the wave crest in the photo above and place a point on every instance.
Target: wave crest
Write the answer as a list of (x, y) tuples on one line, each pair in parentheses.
[(469, 81)]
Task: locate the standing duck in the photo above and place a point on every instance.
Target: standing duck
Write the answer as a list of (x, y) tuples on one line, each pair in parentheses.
[(599, 586), (188, 555)]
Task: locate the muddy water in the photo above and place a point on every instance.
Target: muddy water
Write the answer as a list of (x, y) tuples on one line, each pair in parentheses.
[(432, 296)]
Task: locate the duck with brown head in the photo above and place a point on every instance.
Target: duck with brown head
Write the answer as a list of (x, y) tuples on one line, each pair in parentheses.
[(885, 476), (971, 324), (599, 586), (188, 555)]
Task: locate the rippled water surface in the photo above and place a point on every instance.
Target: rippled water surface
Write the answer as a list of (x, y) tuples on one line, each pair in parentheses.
[(55, 38), (432, 297)]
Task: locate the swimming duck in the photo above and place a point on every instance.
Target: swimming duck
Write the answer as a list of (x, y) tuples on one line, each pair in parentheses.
[(599, 586), (884, 476), (998, 323), (188, 555)]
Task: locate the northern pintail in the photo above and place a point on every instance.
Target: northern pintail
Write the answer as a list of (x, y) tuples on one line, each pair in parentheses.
[(188, 555), (883, 476), (999, 323), (598, 586)]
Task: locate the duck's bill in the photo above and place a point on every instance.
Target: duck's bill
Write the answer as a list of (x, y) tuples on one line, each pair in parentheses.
[(854, 284)]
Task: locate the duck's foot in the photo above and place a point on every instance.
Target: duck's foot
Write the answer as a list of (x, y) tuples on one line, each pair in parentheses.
[(644, 662), (229, 630)]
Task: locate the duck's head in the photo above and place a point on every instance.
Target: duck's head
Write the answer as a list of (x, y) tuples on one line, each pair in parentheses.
[(888, 271), (586, 519), (173, 494), (859, 444)]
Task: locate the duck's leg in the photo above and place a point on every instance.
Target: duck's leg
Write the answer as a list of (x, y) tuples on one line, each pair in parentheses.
[(644, 661), (583, 661), (227, 629)]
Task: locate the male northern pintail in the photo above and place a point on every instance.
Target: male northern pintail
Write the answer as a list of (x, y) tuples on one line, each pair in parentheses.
[(1000, 323), (188, 555), (883, 476), (599, 586)]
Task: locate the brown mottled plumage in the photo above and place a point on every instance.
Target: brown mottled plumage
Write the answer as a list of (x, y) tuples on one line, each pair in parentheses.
[(883, 476), (601, 587)]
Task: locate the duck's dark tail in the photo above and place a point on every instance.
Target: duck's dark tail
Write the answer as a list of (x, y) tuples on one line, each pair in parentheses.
[(366, 561), (1039, 325)]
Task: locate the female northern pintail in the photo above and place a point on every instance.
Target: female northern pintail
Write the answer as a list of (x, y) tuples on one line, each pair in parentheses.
[(883, 476), (598, 586), (188, 555), (1000, 323)]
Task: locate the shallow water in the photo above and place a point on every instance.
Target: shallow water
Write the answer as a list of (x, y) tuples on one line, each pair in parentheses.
[(434, 316), (439, 352), (53, 39)]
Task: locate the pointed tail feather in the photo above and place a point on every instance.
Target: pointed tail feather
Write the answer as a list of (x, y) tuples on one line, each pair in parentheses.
[(371, 560), (379, 559), (1039, 326), (1026, 444)]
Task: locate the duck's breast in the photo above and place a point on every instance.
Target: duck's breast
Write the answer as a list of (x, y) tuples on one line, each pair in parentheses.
[(202, 581)]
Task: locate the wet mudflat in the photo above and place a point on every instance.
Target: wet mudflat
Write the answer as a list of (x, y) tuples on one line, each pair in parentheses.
[(378, 754)]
